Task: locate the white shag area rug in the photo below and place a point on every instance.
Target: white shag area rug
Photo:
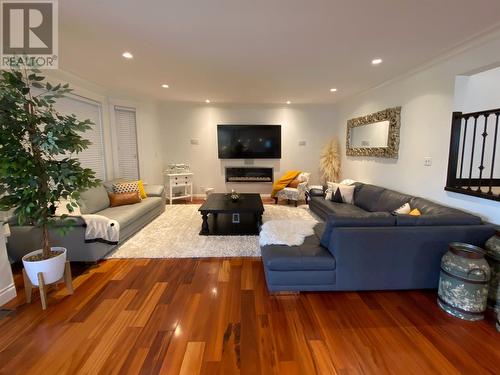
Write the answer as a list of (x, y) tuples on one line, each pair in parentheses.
[(175, 234)]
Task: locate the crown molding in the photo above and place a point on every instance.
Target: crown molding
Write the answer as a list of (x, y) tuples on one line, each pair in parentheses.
[(477, 40)]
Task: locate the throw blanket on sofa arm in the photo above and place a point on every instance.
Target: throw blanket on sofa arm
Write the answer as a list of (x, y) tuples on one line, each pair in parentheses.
[(286, 232), (283, 182), (101, 229)]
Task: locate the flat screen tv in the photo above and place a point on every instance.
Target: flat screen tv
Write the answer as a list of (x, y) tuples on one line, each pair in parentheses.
[(249, 141)]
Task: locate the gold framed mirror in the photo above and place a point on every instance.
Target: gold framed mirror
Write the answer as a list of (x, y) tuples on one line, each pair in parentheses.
[(376, 134)]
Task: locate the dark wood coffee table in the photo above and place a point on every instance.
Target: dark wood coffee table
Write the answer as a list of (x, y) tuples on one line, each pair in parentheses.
[(223, 217)]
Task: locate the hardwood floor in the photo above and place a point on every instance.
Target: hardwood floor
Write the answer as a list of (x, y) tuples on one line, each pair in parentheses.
[(215, 316)]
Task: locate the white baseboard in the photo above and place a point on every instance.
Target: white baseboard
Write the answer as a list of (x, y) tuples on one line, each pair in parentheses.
[(8, 293)]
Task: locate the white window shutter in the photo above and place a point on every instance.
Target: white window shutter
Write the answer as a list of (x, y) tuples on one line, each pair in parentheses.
[(93, 156), (126, 130)]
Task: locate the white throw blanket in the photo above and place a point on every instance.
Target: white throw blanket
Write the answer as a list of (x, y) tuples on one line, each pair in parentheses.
[(286, 232), (101, 228)]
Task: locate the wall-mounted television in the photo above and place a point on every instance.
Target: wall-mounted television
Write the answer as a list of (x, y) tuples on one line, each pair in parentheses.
[(249, 141)]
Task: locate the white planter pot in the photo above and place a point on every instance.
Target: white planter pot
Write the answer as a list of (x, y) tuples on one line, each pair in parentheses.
[(52, 269)]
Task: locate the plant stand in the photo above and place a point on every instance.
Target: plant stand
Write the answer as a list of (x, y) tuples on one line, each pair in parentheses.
[(42, 287)]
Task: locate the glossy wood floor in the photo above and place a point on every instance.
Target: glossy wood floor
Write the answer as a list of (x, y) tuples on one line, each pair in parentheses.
[(215, 316)]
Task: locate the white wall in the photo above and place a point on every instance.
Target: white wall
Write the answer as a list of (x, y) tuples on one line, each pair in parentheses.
[(181, 122), (427, 100), (478, 92)]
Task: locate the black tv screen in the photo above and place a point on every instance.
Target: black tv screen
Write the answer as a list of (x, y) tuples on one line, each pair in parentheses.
[(249, 141)]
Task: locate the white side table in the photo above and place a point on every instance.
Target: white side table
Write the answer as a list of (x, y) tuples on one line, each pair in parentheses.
[(178, 182)]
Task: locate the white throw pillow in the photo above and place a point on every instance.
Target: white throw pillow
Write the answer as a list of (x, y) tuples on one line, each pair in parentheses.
[(347, 181), (403, 210), (347, 191), (304, 176)]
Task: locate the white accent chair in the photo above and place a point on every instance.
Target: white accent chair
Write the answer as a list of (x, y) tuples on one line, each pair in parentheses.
[(295, 194)]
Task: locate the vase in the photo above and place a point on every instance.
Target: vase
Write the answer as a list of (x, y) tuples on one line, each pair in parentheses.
[(52, 268), (492, 248), (463, 281)]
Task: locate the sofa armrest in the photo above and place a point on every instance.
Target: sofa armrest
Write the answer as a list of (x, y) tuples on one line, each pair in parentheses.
[(154, 190), (73, 221), (396, 257), (315, 192)]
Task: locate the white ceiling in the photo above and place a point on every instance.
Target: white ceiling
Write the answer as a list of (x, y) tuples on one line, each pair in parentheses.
[(260, 51)]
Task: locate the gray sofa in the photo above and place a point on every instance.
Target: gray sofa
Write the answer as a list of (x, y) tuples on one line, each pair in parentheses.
[(364, 246), (131, 218)]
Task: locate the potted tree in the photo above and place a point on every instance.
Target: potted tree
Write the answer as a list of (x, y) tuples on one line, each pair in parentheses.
[(38, 169)]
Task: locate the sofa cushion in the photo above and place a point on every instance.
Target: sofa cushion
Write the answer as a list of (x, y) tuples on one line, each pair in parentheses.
[(375, 219), (109, 184), (367, 197), (154, 190), (338, 208), (125, 215), (391, 200), (93, 200), (308, 256), (445, 219), (319, 229), (316, 192), (427, 207), (370, 219)]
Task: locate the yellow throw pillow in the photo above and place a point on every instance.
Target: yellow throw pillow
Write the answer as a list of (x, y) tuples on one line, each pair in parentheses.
[(415, 212), (142, 192)]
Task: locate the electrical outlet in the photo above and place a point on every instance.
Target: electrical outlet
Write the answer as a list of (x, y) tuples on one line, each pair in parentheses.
[(427, 161)]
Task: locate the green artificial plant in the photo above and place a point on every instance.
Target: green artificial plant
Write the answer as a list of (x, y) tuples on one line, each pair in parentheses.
[(38, 167)]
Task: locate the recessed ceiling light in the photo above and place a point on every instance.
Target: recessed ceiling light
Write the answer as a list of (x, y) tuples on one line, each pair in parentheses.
[(333, 89), (165, 86), (376, 61), (127, 55), (207, 101), (288, 102)]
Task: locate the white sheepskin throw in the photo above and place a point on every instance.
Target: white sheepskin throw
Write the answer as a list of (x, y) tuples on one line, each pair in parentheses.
[(285, 232)]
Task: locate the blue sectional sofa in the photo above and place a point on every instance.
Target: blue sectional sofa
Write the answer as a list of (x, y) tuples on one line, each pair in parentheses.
[(363, 246)]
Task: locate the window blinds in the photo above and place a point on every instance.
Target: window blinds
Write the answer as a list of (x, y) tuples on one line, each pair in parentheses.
[(93, 156), (126, 130)]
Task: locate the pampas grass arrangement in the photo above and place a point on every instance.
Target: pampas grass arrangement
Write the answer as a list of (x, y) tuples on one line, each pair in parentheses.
[(329, 163)]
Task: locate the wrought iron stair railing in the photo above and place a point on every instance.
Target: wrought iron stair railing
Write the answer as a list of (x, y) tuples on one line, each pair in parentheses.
[(473, 165)]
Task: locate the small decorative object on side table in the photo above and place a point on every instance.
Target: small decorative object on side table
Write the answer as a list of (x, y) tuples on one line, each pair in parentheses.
[(463, 282), (234, 196)]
